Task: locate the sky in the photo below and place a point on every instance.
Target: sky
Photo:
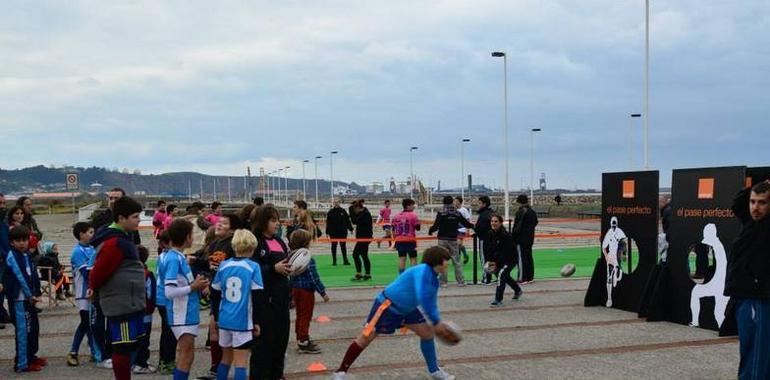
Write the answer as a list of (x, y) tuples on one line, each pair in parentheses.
[(213, 87)]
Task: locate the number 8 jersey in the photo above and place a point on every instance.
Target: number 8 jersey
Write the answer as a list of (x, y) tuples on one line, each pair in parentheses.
[(236, 278)]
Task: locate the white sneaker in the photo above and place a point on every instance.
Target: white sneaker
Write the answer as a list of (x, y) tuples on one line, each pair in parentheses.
[(441, 375), (106, 364), (339, 376), (144, 370)]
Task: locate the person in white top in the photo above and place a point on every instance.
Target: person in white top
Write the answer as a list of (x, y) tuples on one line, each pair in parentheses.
[(466, 213), (611, 244)]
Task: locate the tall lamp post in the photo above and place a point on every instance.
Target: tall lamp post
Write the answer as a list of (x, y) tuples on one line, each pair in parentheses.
[(280, 175), (304, 182), (532, 164), (411, 172), (507, 199), (462, 167), (331, 172), (631, 140), (316, 181), (286, 183)]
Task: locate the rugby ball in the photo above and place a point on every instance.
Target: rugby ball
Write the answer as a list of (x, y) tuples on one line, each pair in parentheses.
[(453, 335), (568, 270), (490, 267), (299, 261)]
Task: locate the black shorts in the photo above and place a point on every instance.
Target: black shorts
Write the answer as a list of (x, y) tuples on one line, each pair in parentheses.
[(406, 248)]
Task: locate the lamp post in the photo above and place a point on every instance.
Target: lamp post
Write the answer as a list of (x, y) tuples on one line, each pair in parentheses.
[(532, 164), (280, 174), (631, 140), (331, 172), (507, 199), (462, 167), (646, 82), (411, 172), (304, 183), (316, 181), (286, 183)]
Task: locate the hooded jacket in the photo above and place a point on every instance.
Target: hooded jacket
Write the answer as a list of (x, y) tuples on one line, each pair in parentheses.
[(499, 248), (447, 222), (524, 225), (338, 223), (483, 223), (748, 267), (118, 274)]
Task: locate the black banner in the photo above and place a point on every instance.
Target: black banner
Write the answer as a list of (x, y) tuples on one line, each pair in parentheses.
[(690, 288), (628, 250)]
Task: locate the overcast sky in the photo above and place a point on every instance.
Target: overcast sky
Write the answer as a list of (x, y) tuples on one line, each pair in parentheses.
[(216, 86)]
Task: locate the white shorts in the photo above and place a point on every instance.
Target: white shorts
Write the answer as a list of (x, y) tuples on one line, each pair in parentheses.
[(82, 304), (228, 338), (181, 330)]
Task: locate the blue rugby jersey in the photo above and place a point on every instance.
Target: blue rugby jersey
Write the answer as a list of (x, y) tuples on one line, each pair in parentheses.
[(182, 310), (160, 276), (236, 278), (416, 288), (79, 259)]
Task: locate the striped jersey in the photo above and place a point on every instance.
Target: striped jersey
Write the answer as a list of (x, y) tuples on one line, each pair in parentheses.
[(183, 310), (79, 259)]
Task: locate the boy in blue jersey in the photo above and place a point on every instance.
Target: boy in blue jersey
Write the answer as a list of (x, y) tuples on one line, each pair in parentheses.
[(81, 254), (182, 293), (237, 311), (167, 344), (22, 285), (397, 306)]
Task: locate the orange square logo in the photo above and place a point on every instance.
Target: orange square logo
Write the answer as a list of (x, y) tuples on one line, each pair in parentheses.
[(748, 181), (705, 188), (628, 188)]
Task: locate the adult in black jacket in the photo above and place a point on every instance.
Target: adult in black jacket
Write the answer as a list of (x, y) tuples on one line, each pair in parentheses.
[(364, 230), (267, 354), (104, 218), (337, 227), (447, 222), (524, 236), (501, 251), (482, 230), (748, 280)]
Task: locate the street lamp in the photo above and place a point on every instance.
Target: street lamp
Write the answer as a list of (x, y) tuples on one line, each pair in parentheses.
[(280, 171), (331, 171), (411, 171), (462, 167), (286, 182), (316, 181), (304, 184), (631, 140), (646, 82), (532, 164), (498, 54)]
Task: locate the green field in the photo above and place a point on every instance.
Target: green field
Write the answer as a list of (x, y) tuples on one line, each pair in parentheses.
[(548, 263)]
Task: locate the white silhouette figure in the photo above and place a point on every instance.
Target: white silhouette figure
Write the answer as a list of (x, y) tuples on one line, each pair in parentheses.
[(714, 287), (610, 248)]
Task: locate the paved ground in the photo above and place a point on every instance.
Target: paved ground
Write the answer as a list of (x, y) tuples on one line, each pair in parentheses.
[(547, 334)]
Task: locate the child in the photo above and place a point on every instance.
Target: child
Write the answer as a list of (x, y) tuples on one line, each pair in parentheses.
[(182, 296), (405, 223), (118, 279), (303, 291), (216, 213), (51, 269), (141, 366), (500, 250), (397, 306), (81, 254), (97, 323), (167, 345), (22, 285), (239, 278)]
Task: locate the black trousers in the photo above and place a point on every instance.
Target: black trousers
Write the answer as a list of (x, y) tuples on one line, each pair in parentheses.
[(167, 349), (504, 279), (98, 324), (343, 248), (361, 253), (269, 350), (526, 262)]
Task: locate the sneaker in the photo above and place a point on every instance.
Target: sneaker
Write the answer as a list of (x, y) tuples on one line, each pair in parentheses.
[(60, 297), (441, 375), (357, 277), (444, 285), (40, 361), (609, 303), (211, 375), (68, 294), (339, 376), (308, 348), (461, 284), (517, 295), (31, 368), (496, 303), (367, 277), (143, 370), (166, 368), (72, 360), (105, 364)]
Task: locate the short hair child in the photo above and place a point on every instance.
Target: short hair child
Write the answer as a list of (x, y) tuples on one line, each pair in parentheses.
[(167, 344), (303, 291), (79, 259)]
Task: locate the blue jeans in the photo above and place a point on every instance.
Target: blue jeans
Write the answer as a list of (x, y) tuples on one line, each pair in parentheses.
[(753, 317)]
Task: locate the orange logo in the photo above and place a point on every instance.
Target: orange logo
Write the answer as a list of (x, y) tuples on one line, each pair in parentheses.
[(628, 188), (706, 188)]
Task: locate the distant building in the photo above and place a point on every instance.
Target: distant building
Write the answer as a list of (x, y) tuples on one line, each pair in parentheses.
[(375, 188)]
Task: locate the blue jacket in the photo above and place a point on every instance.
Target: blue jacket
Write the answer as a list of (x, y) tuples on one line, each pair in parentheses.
[(309, 280), (417, 287), (17, 279)]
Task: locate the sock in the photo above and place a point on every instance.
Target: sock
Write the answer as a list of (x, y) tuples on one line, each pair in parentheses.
[(216, 355), (240, 373), (401, 270), (428, 348), (350, 356), (222, 371), (181, 375), (121, 366)]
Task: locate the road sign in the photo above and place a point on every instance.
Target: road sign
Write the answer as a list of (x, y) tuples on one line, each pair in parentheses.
[(72, 181)]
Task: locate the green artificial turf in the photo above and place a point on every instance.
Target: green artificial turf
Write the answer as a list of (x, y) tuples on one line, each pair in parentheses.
[(548, 263)]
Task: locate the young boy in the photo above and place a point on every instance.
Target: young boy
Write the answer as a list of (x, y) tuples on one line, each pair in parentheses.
[(167, 344), (303, 288), (384, 218), (81, 254), (141, 364), (118, 280), (239, 278), (182, 296), (22, 285), (397, 306), (405, 223)]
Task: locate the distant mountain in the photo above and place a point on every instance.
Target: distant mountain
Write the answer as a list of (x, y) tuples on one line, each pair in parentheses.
[(41, 178)]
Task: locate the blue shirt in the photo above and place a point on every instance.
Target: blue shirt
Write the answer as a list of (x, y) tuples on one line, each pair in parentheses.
[(183, 310), (79, 259), (160, 275), (16, 271), (415, 288), (236, 278)]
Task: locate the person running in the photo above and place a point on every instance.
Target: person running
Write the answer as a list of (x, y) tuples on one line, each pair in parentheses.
[(384, 220), (337, 227), (406, 302), (405, 225), (501, 251)]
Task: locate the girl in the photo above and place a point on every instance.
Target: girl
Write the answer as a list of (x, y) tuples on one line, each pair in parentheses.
[(16, 218), (499, 249), (364, 231)]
